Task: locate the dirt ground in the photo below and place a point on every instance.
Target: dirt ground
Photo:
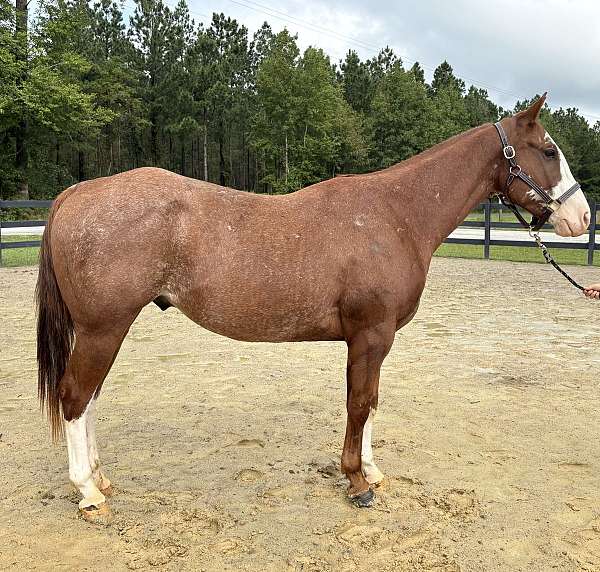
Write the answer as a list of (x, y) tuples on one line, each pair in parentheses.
[(225, 455)]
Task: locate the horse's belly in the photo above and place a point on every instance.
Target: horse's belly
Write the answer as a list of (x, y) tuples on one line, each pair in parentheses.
[(243, 319)]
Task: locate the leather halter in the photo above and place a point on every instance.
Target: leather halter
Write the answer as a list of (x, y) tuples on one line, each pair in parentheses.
[(549, 204)]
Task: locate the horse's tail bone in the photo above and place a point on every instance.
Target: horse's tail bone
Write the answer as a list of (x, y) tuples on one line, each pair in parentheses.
[(55, 332)]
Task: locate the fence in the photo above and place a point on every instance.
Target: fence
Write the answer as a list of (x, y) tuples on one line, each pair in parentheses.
[(487, 224), (21, 223)]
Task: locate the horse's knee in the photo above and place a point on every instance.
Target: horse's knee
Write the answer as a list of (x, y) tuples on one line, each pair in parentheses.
[(359, 408)]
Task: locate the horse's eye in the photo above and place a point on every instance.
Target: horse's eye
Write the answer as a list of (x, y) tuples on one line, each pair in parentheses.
[(550, 152)]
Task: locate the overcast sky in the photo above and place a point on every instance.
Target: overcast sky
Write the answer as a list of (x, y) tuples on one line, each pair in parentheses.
[(513, 48)]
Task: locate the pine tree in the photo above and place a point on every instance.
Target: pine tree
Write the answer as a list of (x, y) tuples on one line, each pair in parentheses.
[(402, 121), (444, 79), (418, 72), (150, 31), (479, 108), (357, 81), (230, 78)]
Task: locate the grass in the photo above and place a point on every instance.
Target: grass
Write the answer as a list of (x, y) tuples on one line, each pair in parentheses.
[(515, 253), (496, 216), (20, 256)]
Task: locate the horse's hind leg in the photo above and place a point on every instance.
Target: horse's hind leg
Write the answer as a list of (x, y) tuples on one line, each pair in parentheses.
[(92, 357), (101, 480)]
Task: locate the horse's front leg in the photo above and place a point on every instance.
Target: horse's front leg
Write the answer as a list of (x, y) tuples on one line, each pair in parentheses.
[(369, 469), (366, 352)]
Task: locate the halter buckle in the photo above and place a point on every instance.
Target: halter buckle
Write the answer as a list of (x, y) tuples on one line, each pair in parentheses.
[(509, 152), (515, 170)]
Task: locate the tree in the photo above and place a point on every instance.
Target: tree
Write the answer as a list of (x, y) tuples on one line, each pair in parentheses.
[(418, 72), (9, 106), (276, 88), (591, 164), (444, 79), (150, 32), (385, 61), (580, 144), (402, 121), (202, 64), (22, 126), (479, 108), (447, 92), (180, 116), (357, 82), (230, 78), (303, 127), (47, 98), (114, 81), (327, 131)]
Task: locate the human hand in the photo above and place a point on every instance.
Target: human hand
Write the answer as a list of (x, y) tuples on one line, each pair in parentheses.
[(592, 291)]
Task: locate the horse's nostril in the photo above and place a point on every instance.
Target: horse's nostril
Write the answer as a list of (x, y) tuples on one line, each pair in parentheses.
[(586, 218)]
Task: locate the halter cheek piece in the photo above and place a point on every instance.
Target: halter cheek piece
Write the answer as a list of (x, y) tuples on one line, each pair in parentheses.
[(549, 204)]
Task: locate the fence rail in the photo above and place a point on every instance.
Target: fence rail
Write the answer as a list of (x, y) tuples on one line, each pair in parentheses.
[(487, 224)]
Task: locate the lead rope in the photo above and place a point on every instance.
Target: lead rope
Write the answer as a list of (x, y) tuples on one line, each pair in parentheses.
[(551, 260)]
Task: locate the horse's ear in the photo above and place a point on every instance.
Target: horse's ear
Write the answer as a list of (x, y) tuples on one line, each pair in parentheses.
[(531, 114)]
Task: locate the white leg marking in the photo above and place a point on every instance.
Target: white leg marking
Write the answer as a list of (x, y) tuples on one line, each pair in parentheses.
[(369, 469), (80, 470), (101, 481)]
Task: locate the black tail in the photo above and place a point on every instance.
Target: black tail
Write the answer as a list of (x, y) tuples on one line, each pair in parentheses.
[(54, 334)]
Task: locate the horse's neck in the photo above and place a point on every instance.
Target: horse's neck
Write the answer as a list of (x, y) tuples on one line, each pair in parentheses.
[(435, 191)]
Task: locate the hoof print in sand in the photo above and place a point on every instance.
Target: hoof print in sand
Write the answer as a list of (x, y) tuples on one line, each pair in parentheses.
[(248, 475), (458, 502)]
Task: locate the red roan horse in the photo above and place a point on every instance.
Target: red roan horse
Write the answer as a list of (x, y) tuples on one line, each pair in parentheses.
[(345, 259)]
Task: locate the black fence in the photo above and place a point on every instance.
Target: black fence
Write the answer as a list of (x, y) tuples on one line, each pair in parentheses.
[(486, 224), (21, 223)]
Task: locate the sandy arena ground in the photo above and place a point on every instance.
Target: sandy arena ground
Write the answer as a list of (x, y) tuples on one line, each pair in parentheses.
[(225, 455)]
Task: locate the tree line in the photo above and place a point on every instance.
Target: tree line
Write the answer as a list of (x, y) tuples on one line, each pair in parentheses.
[(83, 94)]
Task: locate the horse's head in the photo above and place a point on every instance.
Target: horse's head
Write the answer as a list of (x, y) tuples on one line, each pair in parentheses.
[(541, 181)]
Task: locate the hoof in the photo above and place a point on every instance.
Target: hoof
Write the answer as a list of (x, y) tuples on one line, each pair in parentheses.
[(363, 500), (108, 491), (100, 514)]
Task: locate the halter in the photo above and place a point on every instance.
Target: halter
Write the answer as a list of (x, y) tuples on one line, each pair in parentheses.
[(549, 204)]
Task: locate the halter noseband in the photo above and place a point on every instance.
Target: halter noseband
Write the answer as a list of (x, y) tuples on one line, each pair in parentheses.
[(550, 205)]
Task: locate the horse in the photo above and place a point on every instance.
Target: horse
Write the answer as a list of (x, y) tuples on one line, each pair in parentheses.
[(344, 259)]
